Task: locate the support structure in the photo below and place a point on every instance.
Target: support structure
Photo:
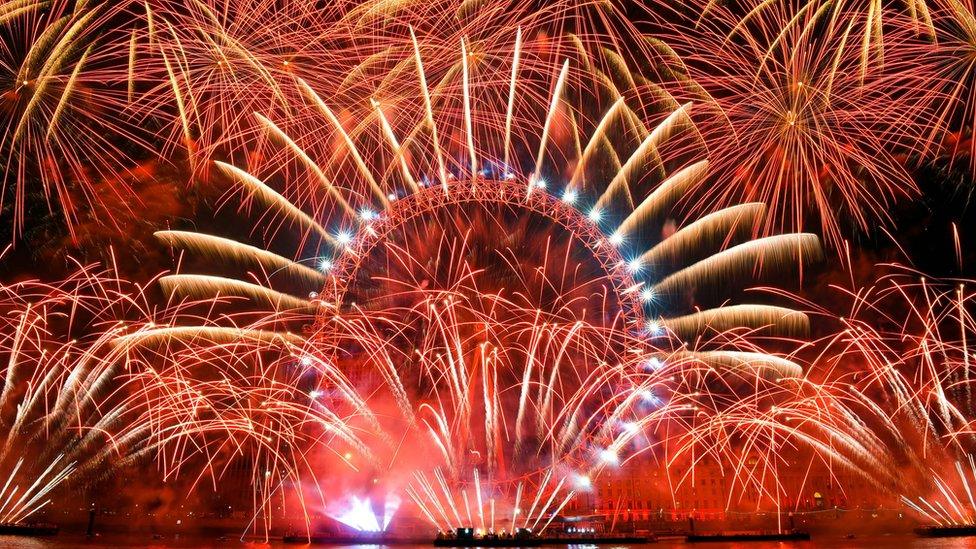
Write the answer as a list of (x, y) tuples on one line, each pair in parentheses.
[(345, 265)]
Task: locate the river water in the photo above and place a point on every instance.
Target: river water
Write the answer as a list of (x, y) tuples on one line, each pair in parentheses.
[(134, 540)]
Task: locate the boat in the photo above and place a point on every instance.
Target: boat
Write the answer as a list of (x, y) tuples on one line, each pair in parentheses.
[(509, 541), (34, 530), (792, 535), (364, 538), (466, 537), (488, 541), (955, 531)]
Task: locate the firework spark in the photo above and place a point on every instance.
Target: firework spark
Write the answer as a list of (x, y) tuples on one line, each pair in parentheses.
[(793, 119), (463, 235), (482, 254), (68, 134)]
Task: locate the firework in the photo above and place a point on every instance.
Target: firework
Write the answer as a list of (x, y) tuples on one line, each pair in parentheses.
[(483, 254), (865, 21), (60, 370), (100, 377), (954, 511), (68, 135), (506, 227), (396, 170), (195, 67), (899, 365), (794, 119), (221, 406), (931, 72)]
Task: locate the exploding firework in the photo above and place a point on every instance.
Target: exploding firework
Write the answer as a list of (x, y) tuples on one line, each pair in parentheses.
[(497, 243), (473, 256), (195, 67), (938, 77), (200, 69), (956, 510), (61, 369), (794, 120), (899, 365), (864, 22), (224, 404), (485, 257), (101, 377), (68, 136)]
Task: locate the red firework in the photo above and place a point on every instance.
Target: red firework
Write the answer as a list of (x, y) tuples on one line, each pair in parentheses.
[(938, 75), (795, 118), (67, 131)]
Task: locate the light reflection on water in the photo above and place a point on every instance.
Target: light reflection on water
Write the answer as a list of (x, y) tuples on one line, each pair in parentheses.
[(66, 541)]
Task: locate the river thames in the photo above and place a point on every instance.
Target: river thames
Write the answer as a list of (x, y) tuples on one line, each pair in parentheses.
[(135, 540)]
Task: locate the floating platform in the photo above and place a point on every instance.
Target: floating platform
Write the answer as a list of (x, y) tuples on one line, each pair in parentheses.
[(748, 536), (533, 541), (358, 539), (28, 530), (946, 531)]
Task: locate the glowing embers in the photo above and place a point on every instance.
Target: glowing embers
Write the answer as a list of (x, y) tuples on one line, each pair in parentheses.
[(362, 515)]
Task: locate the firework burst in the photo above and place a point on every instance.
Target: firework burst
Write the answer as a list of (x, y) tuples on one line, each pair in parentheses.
[(939, 76), (482, 253), (68, 135), (899, 365), (794, 120), (59, 399), (504, 220)]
